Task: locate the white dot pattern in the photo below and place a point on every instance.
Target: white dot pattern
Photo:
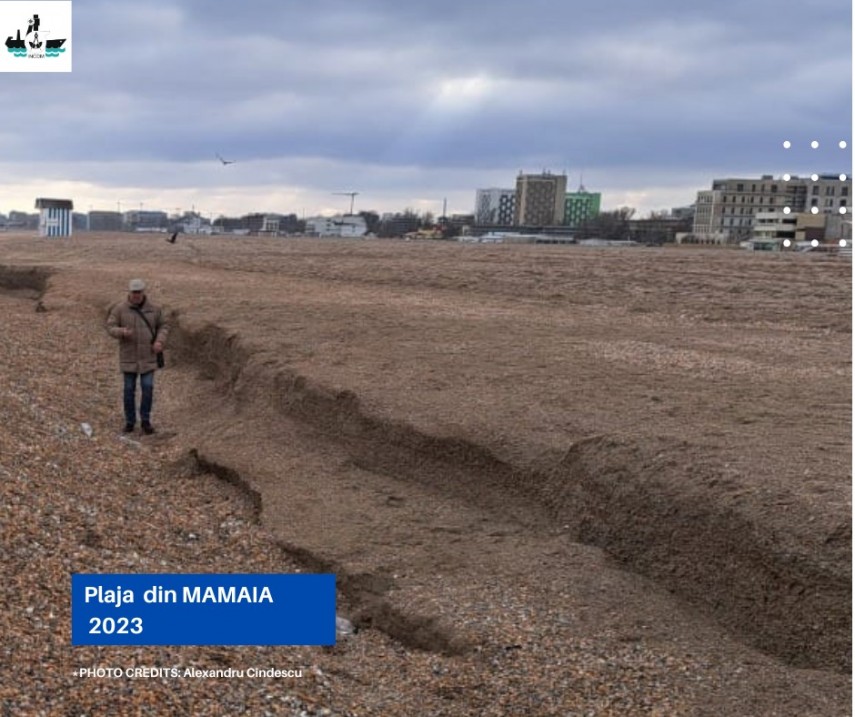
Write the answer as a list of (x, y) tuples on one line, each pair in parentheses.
[(842, 144)]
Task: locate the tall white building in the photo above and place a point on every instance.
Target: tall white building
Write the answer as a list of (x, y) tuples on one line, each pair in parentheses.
[(495, 206)]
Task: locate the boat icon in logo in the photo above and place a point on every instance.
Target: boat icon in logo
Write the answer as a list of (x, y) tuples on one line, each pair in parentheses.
[(34, 43)]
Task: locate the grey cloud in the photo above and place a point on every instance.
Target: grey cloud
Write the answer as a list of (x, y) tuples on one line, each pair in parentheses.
[(457, 86)]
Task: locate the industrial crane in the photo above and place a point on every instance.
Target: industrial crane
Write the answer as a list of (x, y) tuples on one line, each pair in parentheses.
[(348, 194)]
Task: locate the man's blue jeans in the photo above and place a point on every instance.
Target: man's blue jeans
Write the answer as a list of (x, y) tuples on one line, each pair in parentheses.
[(147, 387)]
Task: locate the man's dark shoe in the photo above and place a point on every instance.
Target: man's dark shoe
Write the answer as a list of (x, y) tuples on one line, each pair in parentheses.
[(129, 428), (147, 428)]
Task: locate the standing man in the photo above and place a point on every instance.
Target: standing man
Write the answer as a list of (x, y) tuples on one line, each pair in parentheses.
[(141, 330)]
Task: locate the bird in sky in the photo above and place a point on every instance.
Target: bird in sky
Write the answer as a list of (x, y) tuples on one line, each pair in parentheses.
[(225, 161)]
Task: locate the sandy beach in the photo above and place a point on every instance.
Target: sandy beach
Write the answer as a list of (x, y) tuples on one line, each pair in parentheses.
[(550, 480)]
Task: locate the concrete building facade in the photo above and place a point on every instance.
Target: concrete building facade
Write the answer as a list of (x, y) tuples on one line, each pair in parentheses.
[(105, 221), (146, 220), (730, 208), (540, 199), (774, 225)]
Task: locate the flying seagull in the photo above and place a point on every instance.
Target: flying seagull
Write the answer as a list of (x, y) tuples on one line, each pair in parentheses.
[(225, 161)]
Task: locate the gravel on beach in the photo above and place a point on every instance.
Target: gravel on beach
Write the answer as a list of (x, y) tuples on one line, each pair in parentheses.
[(77, 496)]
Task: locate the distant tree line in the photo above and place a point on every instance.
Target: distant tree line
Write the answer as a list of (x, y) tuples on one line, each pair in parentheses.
[(657, 228), (613, 225)]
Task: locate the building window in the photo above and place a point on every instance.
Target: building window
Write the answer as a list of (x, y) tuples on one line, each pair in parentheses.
[(774, 188), (740, 187), (815, 190), (844, 191)]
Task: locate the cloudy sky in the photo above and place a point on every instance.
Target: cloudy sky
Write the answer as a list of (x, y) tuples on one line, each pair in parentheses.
[(409, 103)]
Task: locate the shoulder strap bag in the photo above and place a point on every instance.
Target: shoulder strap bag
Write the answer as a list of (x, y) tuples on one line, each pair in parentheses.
[(161, 362)]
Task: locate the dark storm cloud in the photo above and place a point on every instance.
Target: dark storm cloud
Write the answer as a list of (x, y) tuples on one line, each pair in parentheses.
[(455, 85)]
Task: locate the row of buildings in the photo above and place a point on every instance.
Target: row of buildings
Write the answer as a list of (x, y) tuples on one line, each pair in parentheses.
[(538, 200), (733, 210), (56, 217), (739, 209)]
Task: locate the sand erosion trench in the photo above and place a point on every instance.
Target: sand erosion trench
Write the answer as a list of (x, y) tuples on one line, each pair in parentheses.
[(634, 402)]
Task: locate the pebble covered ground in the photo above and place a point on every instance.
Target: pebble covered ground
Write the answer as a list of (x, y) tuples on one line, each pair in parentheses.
[(75, 503), (76, 497)]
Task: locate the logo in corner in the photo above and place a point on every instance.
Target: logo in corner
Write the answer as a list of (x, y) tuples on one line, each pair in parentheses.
[(36, 43)]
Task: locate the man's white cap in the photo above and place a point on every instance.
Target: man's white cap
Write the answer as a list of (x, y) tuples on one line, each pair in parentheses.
[(136, 285)]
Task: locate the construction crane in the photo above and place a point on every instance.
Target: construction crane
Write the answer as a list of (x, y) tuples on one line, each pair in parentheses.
[(348, 194)]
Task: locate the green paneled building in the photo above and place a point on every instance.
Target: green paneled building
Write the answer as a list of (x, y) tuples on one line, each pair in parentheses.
[(579, 206)]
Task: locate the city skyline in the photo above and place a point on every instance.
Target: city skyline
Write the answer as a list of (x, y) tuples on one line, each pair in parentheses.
[(125, 208), (412, 107)]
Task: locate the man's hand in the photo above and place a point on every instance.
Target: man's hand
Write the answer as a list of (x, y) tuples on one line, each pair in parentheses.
[(157, 346), (127, 333)]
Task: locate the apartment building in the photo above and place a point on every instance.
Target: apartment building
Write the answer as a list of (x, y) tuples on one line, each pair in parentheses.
[(146, 220), (495, 206), (580, 206), (729, 209), (105, 221), (829, 193), (540, 199)]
